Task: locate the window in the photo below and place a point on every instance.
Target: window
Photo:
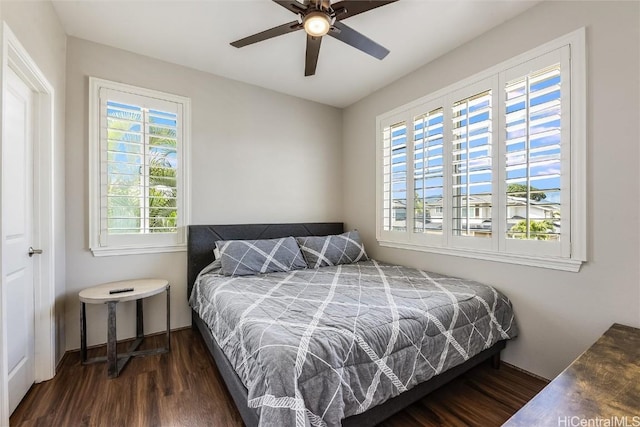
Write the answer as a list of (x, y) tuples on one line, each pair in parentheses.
[(139, 185), (492, 167)]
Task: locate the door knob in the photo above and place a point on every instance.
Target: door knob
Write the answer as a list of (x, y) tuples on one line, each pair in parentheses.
[(34, 251)]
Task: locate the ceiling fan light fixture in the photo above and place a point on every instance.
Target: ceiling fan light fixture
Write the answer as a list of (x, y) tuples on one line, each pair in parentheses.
[(317, 24)]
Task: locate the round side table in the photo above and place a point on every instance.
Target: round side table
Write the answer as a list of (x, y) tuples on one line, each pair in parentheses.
[(111, 294)]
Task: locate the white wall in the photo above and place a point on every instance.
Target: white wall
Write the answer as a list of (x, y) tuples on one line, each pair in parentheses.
[(38, 29), (560, 314), (257, 156)]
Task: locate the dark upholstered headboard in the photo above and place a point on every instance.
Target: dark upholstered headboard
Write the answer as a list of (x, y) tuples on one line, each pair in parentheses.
[(202, 239)]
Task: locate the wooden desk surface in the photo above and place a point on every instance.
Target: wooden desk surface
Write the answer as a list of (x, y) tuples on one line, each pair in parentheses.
[(604, 382)]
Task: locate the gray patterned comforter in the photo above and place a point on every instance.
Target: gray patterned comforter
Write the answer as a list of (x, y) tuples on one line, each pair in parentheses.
[(315, 346)]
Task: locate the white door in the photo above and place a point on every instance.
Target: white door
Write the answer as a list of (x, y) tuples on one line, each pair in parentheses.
[(17, 223)]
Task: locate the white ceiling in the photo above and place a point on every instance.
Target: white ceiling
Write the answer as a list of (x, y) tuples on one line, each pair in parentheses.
[(197, 34)]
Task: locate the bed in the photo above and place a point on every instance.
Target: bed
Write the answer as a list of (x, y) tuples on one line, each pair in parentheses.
[(318, 346)]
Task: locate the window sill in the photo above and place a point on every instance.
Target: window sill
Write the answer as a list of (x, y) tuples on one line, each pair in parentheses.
[(564, 264), (137, 250)]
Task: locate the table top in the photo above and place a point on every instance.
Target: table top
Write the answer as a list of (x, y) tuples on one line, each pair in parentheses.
[(142, 288), (603, 383)]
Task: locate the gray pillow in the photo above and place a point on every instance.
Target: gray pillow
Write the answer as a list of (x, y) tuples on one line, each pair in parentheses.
[(332, 250), (245, 257)]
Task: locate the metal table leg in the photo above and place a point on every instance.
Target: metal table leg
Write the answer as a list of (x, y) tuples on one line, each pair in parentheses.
[(139, 319), (83, 332), (168, 319), (112, 351)]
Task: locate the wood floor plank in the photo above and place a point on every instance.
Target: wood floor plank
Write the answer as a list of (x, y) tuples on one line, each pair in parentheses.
[(184, 388)]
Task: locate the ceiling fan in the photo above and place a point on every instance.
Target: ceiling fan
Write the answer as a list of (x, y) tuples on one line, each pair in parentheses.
[(319, 18)]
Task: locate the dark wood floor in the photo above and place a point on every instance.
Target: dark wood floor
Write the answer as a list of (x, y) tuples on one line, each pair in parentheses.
[(183, 388)]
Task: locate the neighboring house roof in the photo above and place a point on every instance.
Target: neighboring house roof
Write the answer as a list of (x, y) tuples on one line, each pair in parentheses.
[(480, 201)]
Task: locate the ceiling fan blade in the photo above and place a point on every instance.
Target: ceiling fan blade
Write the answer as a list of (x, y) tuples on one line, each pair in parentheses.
[(267, 34), (311, 59), (353, 38), (292, 5), (348, 8)]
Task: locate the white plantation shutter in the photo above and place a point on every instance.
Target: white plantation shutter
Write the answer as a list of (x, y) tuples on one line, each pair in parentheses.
[(395, 177), (141, 167), (537, 153), (428, 171), (533, 138), (472, 165), (141, 181), (493, 166)]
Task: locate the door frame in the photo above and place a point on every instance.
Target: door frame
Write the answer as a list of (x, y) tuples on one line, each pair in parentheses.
[(15, 56)]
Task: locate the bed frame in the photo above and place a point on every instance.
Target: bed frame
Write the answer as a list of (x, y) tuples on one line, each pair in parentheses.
[(201, 243)]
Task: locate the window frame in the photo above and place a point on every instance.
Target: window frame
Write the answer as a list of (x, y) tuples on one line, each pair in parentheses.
[(574, 248), (100, 243)]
